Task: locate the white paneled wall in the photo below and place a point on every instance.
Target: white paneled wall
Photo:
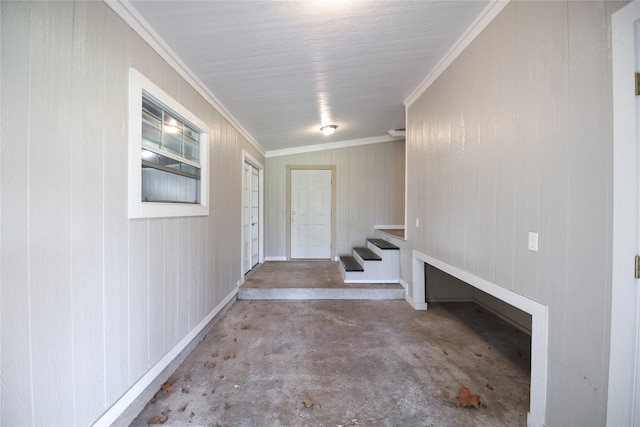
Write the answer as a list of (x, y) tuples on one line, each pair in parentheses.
[(516, 136), (90, 300), (369, 192)]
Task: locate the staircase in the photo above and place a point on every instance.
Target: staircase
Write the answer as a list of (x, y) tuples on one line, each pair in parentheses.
[(378, 262)]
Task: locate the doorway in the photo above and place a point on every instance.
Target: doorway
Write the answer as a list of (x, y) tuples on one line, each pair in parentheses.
[(252, 213), (311, 212)]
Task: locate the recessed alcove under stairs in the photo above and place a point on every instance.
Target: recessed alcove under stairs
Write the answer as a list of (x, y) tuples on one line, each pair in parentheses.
[(539, 324)]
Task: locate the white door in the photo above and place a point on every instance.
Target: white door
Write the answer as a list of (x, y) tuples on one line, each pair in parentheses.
[(255, 224), (636, 418), (623, 406), (250, 216), (310, 213)]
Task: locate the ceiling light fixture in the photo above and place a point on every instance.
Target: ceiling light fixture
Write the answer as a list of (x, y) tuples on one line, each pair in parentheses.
[(328, 130)]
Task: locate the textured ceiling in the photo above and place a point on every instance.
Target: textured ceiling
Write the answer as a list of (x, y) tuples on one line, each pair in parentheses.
[(283, 69)]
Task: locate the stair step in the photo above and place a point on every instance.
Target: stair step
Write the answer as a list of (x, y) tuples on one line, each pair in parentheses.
[(367, 254), (385, 291), (350, 263), (383, 244)]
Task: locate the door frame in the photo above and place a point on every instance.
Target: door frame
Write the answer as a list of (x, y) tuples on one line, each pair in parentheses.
[(623, 356), (332, 168), (248, 158)]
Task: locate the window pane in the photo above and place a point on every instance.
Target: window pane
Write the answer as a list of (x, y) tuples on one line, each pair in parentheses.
[(162, 186), (151, 113), (191, 152), (171, 144), (164, 130), (189, 169), (192, 136), (172, 126), (151, 136)]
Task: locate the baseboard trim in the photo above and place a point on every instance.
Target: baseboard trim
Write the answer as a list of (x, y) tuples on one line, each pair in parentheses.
[(415, 305), (441, 300), (405, 285), (125, 409), (275, 258)]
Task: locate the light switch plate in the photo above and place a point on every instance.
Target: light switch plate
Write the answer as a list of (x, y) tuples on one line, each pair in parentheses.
[(533, 241)]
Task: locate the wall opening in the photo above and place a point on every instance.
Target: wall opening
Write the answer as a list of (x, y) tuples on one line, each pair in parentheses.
[(503, 360), (532, 313)]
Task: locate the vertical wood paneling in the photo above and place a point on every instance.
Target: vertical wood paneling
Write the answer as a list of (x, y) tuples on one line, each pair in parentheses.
[(530, 116), (49, 214), (193, 264), (86, 156), (87, 300), (171, 268), (458, 140), (589, 191), (214, 192), (183, 276), (487, 173), (138, 298), (15, 357), (503, 86), (203, 255), (116, 244), (554, 153), (535, 71), (156, 299)]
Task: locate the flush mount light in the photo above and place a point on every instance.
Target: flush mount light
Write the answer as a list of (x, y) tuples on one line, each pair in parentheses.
[(328, 130)]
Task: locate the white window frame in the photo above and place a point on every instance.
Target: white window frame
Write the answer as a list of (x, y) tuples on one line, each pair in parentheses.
[(139, 84)]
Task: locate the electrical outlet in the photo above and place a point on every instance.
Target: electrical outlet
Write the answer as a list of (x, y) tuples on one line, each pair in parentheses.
[(533, 241)]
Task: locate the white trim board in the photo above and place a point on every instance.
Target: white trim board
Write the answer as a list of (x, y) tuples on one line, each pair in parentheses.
[(329, 146), (127, 399), (130, 15), (539, 324), (624, 287), (275, 258), (480, 23)]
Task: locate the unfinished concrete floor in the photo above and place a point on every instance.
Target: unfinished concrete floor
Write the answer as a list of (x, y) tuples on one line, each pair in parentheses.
[(330, 363), (310, 280)]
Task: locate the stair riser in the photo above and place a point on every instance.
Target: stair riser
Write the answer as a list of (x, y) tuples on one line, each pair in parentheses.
[(314, 294), (374, 269), (382, 252), (366, 276), (387, 270)]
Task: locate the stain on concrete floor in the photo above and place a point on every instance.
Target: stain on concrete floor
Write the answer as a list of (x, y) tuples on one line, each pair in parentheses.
[(331, 363)]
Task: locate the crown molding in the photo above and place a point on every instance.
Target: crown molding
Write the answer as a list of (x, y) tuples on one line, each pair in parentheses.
[(329, 146), (480, 23), (132, 17)]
